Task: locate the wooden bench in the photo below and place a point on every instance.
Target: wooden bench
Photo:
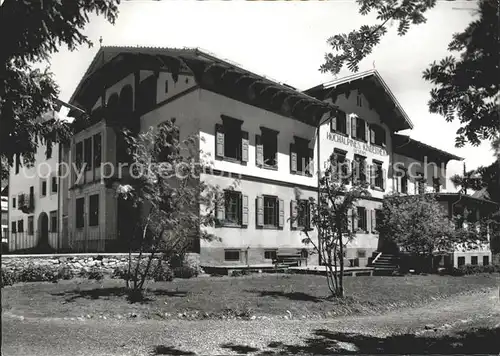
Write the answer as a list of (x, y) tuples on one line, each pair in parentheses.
[(289, 260)]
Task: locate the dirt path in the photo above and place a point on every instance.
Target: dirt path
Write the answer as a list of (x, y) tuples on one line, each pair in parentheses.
[(46, 336)]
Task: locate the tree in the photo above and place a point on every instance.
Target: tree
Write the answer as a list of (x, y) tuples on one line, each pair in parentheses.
[(165, 189), (331, 216), (420, 226), (466, 89), (32, 31)]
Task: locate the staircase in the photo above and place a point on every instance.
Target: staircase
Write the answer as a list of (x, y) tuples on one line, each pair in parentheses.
[(384, 264)]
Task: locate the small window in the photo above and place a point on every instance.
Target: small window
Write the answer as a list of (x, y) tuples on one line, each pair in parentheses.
[(94, 210), (339, 122), (361, 218), (44, 188), (359, 100), (30, 225), (53, 184), (87, 157), (486, 260), (270, 254), (17, 163), (404, 182), (379, 174), (231, 255), (14, 202), (303, 217), (233, 207), (53, 221), (461, 261), (166, 86), (97, 150), (270, 145), (79, 214), (20, 226), (473, 260), (232, 138), (13, 227), (271, 211), (301, 157), (361, 253)]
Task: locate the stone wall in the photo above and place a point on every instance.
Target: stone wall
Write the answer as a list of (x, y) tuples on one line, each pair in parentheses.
[(107, 263)]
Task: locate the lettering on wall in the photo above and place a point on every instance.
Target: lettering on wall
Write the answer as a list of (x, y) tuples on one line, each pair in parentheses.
[(359, 147)]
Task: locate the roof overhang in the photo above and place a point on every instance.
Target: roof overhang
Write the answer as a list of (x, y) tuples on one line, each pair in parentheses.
[(406, 146), (211, 73), (376, 91)]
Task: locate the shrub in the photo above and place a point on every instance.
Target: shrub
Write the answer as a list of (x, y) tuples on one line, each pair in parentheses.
[(185, 272), (65, 273), (8, 277), (475, 269), (162, 273), (38, 273), (158, 271), (95, 273)]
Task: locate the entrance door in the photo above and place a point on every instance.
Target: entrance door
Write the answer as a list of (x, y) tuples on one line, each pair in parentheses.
[(43, 230)]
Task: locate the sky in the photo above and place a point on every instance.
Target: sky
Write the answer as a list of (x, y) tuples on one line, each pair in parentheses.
[(286, 41)]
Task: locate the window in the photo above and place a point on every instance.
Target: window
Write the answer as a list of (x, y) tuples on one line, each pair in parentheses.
[(14, 202), (473, 260), (269, 142), (358, 128), (13, 227), (17, 163), (404, 182), (231, 255), (378, 175), (339, 122), (377, 135), (147, 95), (303, 217), (361, 218), (301, 157), (270, 254), (166, 86), (20, 226), (80, 203), (270, 211), (342, 165), (359, 168), (30, 225), (53, 221), (53, 184), (461, 261), (32, 197), (359, 100), (233, 207), (361, 253), (97, 150), (168, 135), (94, 210), (486, 260), (43, 190), (379, 216), (419, 184), (232, 143), (436, 183), (79, 155), (87, 157)]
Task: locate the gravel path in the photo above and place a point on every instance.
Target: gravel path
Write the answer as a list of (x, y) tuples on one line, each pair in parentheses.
[(36, 336)]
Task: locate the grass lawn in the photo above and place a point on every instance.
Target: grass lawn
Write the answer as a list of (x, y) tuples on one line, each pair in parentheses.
[(215, 297)]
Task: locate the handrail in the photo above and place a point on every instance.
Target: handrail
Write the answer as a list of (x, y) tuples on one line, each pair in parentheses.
[(376, 258)]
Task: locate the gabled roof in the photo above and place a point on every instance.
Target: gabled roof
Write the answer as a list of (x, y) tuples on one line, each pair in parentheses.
[(407, 146), (375, 89), (210, 73)]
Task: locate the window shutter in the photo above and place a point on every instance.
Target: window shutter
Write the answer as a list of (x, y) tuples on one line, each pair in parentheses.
[(355, 170), (373, 214), (333, 124), (372, 176), (310, 167), (367, 132), (260, 211), (372, 135), (347, 123), (244, 210), (281, 218), (348, 167), (293, 214), (221, 208), (349, 220), (293, 158), (384, 178), (355, 221), (397, 180), (365, 171), (244, 146), (259, 151), (219, 133), (353, 127)]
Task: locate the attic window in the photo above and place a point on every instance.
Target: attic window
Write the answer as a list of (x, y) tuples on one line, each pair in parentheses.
[(166, 86), (359, 100)]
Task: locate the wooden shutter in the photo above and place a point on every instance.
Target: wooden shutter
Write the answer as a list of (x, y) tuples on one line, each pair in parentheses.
[(367, 132), (260, 211), (347, 164), (365, 170), (310, 167), (219, 140), (293, 158), (349, 220), (373, 214), (293, 214), (244, 146), (221, 208), (244, 210), (347, 124), (372, 135), (384, 178), (355, 170), (353, 127), (355, 220), (333, 124), (372, 176), (281, 217), (259, 151)]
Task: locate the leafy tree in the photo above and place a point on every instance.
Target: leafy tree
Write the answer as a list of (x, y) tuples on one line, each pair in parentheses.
[(420, 226), (165, 189), (466, 88), (331, 216)]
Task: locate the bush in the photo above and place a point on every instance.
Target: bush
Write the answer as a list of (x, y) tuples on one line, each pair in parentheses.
[(65, 273), (95, 274), (162, 273), (39, 273), (8, 277), (158, 271), (185, 272), (475, 269)]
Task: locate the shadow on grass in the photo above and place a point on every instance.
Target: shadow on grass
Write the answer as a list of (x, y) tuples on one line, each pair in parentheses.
[(241, 349), (324, 342), (168, 350), (299, 296), (106, 293)]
